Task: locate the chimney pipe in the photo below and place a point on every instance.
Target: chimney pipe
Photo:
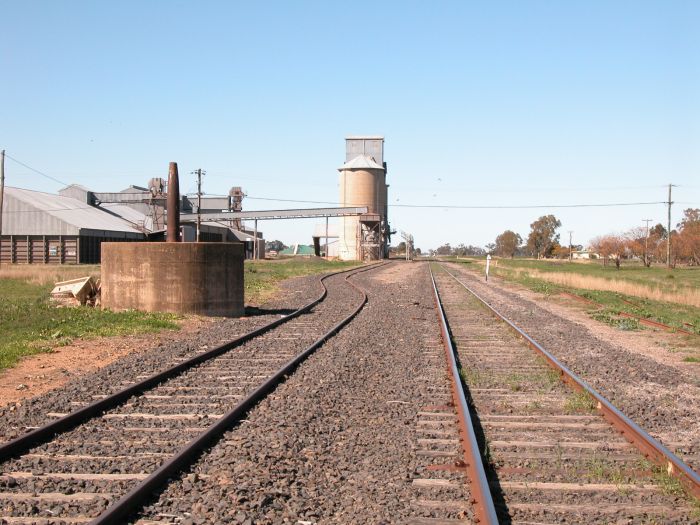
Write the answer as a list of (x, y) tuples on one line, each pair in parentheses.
[(173, 232)]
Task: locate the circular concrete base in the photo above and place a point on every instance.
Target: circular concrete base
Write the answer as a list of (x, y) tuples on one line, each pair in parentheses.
[(203, 278)]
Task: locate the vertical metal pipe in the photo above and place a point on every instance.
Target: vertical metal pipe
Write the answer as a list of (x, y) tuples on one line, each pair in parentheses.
[(199, 203), (255, 241), (326, 237), (2, 193), (173, 231)]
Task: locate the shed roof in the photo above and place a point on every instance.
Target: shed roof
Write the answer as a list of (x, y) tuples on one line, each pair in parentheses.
[(71, 211), (128, 214), (361, 162)]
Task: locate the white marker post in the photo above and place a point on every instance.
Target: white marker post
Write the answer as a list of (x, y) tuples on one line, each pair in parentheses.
[(488, 263)]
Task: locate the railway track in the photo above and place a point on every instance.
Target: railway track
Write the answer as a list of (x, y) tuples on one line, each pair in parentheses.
[(552, 449), (101, 462)]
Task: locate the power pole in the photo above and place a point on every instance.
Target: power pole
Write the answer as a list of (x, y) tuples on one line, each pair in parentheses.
[(2, 193), (571, 253), (199, 174), (646, 243), (668, 237)]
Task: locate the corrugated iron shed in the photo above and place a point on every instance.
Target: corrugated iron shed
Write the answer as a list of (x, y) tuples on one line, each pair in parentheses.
[(28, 212)]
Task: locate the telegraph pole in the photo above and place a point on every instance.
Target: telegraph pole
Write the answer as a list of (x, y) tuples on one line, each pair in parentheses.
[(2, 193), (571, 253), (646, 243), (668, 237), (199, 174)]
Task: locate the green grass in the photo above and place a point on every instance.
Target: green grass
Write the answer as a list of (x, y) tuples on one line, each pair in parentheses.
[(579, 402), (691, 359), (30, 325), (676, 315), (679, 278), (612, 318), (262, 278)]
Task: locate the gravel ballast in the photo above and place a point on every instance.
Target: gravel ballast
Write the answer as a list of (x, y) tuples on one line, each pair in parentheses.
[(335, 443), (16, 418), (661, 399)]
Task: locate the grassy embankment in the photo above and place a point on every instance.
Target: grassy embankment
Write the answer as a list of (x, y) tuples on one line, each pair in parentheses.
[(29, 324), (671, 297)]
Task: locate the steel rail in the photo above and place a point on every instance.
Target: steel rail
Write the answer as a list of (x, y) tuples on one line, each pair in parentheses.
[(68, 422), (633, 433), (117, 513), (482, 501)]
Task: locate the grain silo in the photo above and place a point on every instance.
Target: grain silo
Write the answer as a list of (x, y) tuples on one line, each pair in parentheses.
[(363, 183)]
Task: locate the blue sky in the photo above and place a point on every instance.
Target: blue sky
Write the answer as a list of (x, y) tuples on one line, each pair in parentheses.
[(481, 103)]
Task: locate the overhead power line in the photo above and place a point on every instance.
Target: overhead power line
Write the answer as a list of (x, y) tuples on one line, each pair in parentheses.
[(475, 207), (36, 170)]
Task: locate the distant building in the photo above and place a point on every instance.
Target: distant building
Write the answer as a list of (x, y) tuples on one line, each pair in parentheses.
[(584, 254), (39, 227), (326, 247), (68, 228), (363, 183), (299, 249)]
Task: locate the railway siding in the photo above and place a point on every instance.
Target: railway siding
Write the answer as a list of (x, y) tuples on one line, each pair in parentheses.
[(551, 456), (342, 440), (661, 399)]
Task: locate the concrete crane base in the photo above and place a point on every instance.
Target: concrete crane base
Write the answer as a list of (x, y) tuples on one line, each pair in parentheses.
[(203, 278)]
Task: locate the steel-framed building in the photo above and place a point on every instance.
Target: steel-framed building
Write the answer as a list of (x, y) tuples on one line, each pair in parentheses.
[(39, 227)]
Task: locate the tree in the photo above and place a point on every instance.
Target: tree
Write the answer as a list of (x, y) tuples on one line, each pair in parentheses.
[(543, 236), (638, 244), (687, 242), (507, 244), (561, 252), (469, 250), (277, 246), (657, 243), (445, 249), (460, 250), (610, 247)]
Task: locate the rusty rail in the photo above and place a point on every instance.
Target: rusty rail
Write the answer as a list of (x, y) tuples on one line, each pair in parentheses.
[(64, 424), (647, 445), (482, 501), (117, 513), (642, 320)]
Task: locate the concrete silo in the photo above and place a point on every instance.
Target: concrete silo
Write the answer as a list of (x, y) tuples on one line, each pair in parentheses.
[(363, 183)]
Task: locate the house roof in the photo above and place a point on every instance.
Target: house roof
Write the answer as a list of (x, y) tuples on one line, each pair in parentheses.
[(361, 162), (72, 211)]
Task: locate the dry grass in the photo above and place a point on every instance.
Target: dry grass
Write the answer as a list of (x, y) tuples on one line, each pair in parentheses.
[(687, 296), (47, 274)]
